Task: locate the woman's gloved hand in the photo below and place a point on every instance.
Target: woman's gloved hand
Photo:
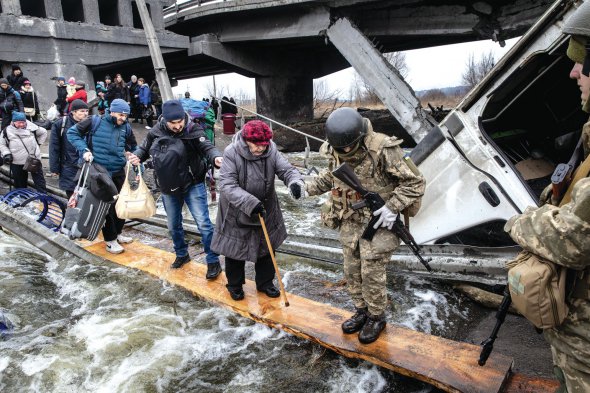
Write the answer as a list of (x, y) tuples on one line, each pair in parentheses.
[(297, 189), (258, 209)]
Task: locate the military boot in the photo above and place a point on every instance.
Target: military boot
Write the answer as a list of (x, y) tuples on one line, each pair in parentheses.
[(356, 322), (372, 328)]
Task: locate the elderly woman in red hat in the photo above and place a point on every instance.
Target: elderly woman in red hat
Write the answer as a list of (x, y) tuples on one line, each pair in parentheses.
[(247, 189)]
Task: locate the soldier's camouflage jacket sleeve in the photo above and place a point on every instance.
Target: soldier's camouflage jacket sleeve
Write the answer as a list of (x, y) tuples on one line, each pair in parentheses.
[(410, 186), (559, 234), (320, 184)]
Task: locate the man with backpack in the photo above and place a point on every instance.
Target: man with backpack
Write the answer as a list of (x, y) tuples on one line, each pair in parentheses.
[(379, 163), (105, 140), (63, 156), (179, 148)]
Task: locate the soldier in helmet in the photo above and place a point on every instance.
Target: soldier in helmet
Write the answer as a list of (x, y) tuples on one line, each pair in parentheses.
[(379, 163), (560, 232)]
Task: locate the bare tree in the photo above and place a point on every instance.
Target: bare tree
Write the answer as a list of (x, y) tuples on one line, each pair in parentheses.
[(476, 70), (398, 60), (366, 93), (324, 99)]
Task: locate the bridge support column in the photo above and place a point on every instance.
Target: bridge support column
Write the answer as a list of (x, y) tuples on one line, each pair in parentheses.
[(285, 98), (125, 13), (53, 9), (157, 14), (11, 7), (91, 12)]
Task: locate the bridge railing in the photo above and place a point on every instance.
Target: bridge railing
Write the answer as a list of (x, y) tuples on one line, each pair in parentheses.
[(176, 8)]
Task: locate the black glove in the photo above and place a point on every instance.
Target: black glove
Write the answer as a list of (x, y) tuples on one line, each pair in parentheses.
[(295, 189), (258, 209), (7, 159)]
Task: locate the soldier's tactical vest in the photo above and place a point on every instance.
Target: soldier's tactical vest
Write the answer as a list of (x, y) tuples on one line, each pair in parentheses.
[(372, 175)]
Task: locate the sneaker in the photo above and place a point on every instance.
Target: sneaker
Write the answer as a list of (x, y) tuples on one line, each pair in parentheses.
[(213, 270), (114, 247), (179, 261), (124, 239), (148, 127)]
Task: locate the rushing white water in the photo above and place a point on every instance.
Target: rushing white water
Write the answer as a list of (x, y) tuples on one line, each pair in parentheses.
[(80, 327)]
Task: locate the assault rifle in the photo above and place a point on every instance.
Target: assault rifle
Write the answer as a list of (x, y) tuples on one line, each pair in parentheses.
[(374, 202), (563, 173), (488, 344)]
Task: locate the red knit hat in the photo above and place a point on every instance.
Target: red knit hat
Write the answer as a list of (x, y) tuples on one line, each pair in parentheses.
[(257, 132)]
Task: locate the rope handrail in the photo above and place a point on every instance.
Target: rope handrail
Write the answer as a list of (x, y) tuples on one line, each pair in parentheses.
[(271, 120)]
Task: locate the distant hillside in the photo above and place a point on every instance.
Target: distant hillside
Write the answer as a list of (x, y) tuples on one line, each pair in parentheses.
[(447, 91)]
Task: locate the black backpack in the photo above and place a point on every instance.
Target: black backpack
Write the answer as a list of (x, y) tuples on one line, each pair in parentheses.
[(171, 166), (153, 96)]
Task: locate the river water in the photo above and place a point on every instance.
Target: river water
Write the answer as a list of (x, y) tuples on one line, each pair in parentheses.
[(80, 327)]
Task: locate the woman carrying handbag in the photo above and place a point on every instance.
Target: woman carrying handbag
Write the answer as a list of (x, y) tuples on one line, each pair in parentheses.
[(20, 143)]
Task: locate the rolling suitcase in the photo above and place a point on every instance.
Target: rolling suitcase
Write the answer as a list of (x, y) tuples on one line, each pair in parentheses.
[(87, 217)]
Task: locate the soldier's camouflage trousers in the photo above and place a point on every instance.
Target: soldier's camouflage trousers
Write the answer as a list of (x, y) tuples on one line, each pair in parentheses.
[(571, 379), (570, 347), (365, 280)]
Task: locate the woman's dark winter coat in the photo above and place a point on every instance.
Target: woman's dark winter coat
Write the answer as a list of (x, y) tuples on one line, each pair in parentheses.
[(246, 180), (116, 90)]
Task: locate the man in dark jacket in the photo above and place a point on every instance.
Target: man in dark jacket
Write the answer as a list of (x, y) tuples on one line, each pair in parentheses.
[(62, 94), (16, 78), (63, 156), (175, 124), (134, 87), (10, 101), (109, 140)]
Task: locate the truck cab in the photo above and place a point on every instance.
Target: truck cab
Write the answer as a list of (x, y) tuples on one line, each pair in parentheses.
[(492, 156)]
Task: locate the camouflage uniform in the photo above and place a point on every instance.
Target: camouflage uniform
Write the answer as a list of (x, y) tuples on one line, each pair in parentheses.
[(561, 235), (380, 166)]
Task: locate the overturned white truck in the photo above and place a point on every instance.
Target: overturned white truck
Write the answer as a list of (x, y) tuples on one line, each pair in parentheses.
[(492, 156)]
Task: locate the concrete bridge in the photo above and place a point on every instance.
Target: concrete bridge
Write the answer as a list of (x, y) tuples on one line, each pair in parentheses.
[(283, 44), (286, 44), (81, 38)]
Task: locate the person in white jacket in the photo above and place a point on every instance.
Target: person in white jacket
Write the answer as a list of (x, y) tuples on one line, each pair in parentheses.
[(19, 140)]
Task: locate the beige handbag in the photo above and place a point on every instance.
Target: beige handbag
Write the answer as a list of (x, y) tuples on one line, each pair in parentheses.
[(138, 203), (537, 289)]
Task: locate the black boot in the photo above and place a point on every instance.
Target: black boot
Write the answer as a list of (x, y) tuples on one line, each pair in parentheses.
[(372, 329), (179, 261), (271, 291), (213, 270), (236, 293), (356, 322)]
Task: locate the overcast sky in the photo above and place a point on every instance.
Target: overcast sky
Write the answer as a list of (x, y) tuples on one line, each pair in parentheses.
[(428, 68)]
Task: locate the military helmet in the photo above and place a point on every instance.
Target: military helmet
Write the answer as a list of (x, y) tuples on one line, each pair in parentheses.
[(579, 23), (344, 127)]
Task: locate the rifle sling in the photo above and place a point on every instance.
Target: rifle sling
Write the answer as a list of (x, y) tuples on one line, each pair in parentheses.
[(580, 173)]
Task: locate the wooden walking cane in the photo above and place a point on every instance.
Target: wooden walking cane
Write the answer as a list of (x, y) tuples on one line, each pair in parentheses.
[(274, 261)]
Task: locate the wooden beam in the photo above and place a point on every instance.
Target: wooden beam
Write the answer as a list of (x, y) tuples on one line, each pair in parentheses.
[(448, 365)]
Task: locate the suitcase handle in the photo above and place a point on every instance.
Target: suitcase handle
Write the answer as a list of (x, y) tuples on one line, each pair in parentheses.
[(86, 166), (89, 216)]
